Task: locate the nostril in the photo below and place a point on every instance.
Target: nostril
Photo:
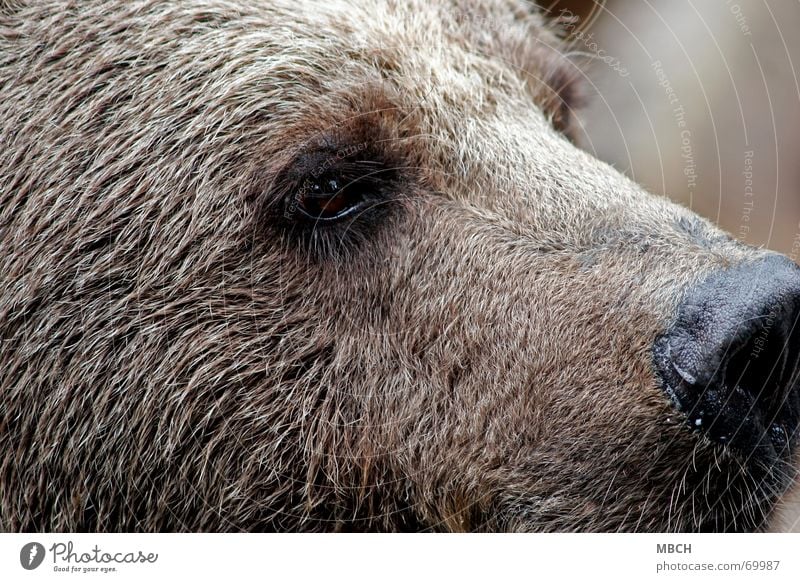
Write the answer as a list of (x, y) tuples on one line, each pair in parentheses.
[(730, 360), (759, 366)]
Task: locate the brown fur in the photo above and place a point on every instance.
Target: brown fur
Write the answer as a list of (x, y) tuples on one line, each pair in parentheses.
[(176, 357)]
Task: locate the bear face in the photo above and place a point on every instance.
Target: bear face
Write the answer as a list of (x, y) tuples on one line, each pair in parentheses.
[(339, 266)]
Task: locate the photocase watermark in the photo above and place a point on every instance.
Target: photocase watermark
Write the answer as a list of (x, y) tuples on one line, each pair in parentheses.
[(479, 21), (569, 22), (761, 341), (31, 555), (66, 559), (749, 196), (679, 114), (741, 20), (794, 253)]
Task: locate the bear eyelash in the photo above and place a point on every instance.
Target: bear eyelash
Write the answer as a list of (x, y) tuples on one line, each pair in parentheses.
[(329, 200), (334, 192)]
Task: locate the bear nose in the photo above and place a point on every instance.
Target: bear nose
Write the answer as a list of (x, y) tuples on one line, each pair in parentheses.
[(730, 361)]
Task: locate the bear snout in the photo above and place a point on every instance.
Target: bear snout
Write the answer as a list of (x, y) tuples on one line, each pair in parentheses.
[(729, 362)]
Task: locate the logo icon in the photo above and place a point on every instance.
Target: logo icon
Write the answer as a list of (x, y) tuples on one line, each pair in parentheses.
[(31, 555)]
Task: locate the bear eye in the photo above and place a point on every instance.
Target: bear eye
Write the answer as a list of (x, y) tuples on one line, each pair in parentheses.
[(330, 198)]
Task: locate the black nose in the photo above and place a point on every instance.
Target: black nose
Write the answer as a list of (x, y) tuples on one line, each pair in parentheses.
[(730, 361)]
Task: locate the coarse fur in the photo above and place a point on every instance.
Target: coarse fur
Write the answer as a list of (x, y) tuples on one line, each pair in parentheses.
[(179, 353)]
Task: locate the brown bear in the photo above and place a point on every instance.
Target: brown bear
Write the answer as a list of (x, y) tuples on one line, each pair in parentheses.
[(330, 265)]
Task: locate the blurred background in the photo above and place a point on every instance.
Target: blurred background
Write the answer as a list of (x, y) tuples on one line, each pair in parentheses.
[(700, 101)]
